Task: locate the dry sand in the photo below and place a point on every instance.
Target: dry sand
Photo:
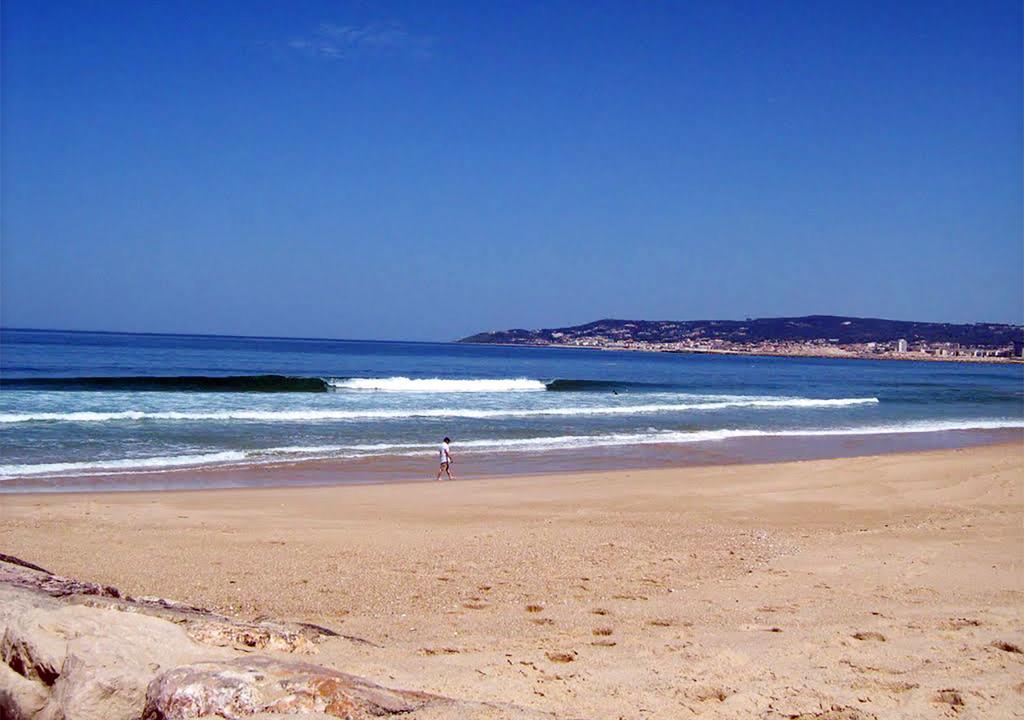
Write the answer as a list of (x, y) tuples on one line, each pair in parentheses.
[(886, 587)]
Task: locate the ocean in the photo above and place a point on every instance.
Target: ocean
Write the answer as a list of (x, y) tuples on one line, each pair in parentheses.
[(132, 411)]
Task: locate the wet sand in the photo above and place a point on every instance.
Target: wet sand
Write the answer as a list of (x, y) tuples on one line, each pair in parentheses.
[(884, 586), (422, 466)]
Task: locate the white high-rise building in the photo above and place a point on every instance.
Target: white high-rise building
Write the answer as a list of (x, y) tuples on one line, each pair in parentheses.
[(901, 345)]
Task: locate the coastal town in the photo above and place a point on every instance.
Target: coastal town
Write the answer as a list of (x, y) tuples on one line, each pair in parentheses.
[(899, 350), (812, 336)]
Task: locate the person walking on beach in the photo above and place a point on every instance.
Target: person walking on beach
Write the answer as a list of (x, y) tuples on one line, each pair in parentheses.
[(446, 459)]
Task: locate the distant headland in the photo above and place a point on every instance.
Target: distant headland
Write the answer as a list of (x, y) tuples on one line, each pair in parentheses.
[(808, 336)]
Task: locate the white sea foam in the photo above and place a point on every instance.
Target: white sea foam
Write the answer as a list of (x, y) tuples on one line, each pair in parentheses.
[(313, 415), (559, 442), (133, 464), (287, 454), (919, 426), (670, 437), (437, 385)]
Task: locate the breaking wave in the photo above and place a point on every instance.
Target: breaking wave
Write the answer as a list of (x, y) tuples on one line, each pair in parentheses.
[(178, 383), (313, 415), (438, 385), (290, 383)]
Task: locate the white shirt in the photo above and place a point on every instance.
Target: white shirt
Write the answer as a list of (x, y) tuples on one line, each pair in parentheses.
[(445, 457)]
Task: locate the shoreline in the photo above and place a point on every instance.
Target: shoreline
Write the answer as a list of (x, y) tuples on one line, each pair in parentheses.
[(415, 482), (392, 470), (902, 357), (891, 356), (884, 586)]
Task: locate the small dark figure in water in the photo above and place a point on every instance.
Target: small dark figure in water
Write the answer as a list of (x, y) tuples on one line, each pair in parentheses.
[(446, 459)]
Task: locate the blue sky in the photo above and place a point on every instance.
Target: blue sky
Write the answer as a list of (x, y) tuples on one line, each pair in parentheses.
[(428, 170)]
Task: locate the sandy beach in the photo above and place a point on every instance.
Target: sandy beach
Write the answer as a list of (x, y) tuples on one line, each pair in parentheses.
[(888, 586)]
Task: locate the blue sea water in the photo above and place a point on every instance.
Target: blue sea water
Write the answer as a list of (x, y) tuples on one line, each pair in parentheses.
[(86, 404)]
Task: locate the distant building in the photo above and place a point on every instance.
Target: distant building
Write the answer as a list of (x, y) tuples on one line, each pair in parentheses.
[(901, 346), (1018, 348)]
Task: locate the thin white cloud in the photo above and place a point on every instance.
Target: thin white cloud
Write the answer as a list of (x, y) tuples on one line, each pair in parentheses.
[(332, 41)]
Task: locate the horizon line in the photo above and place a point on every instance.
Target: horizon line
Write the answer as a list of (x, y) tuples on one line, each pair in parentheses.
[(4, 328), (483, 332)]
